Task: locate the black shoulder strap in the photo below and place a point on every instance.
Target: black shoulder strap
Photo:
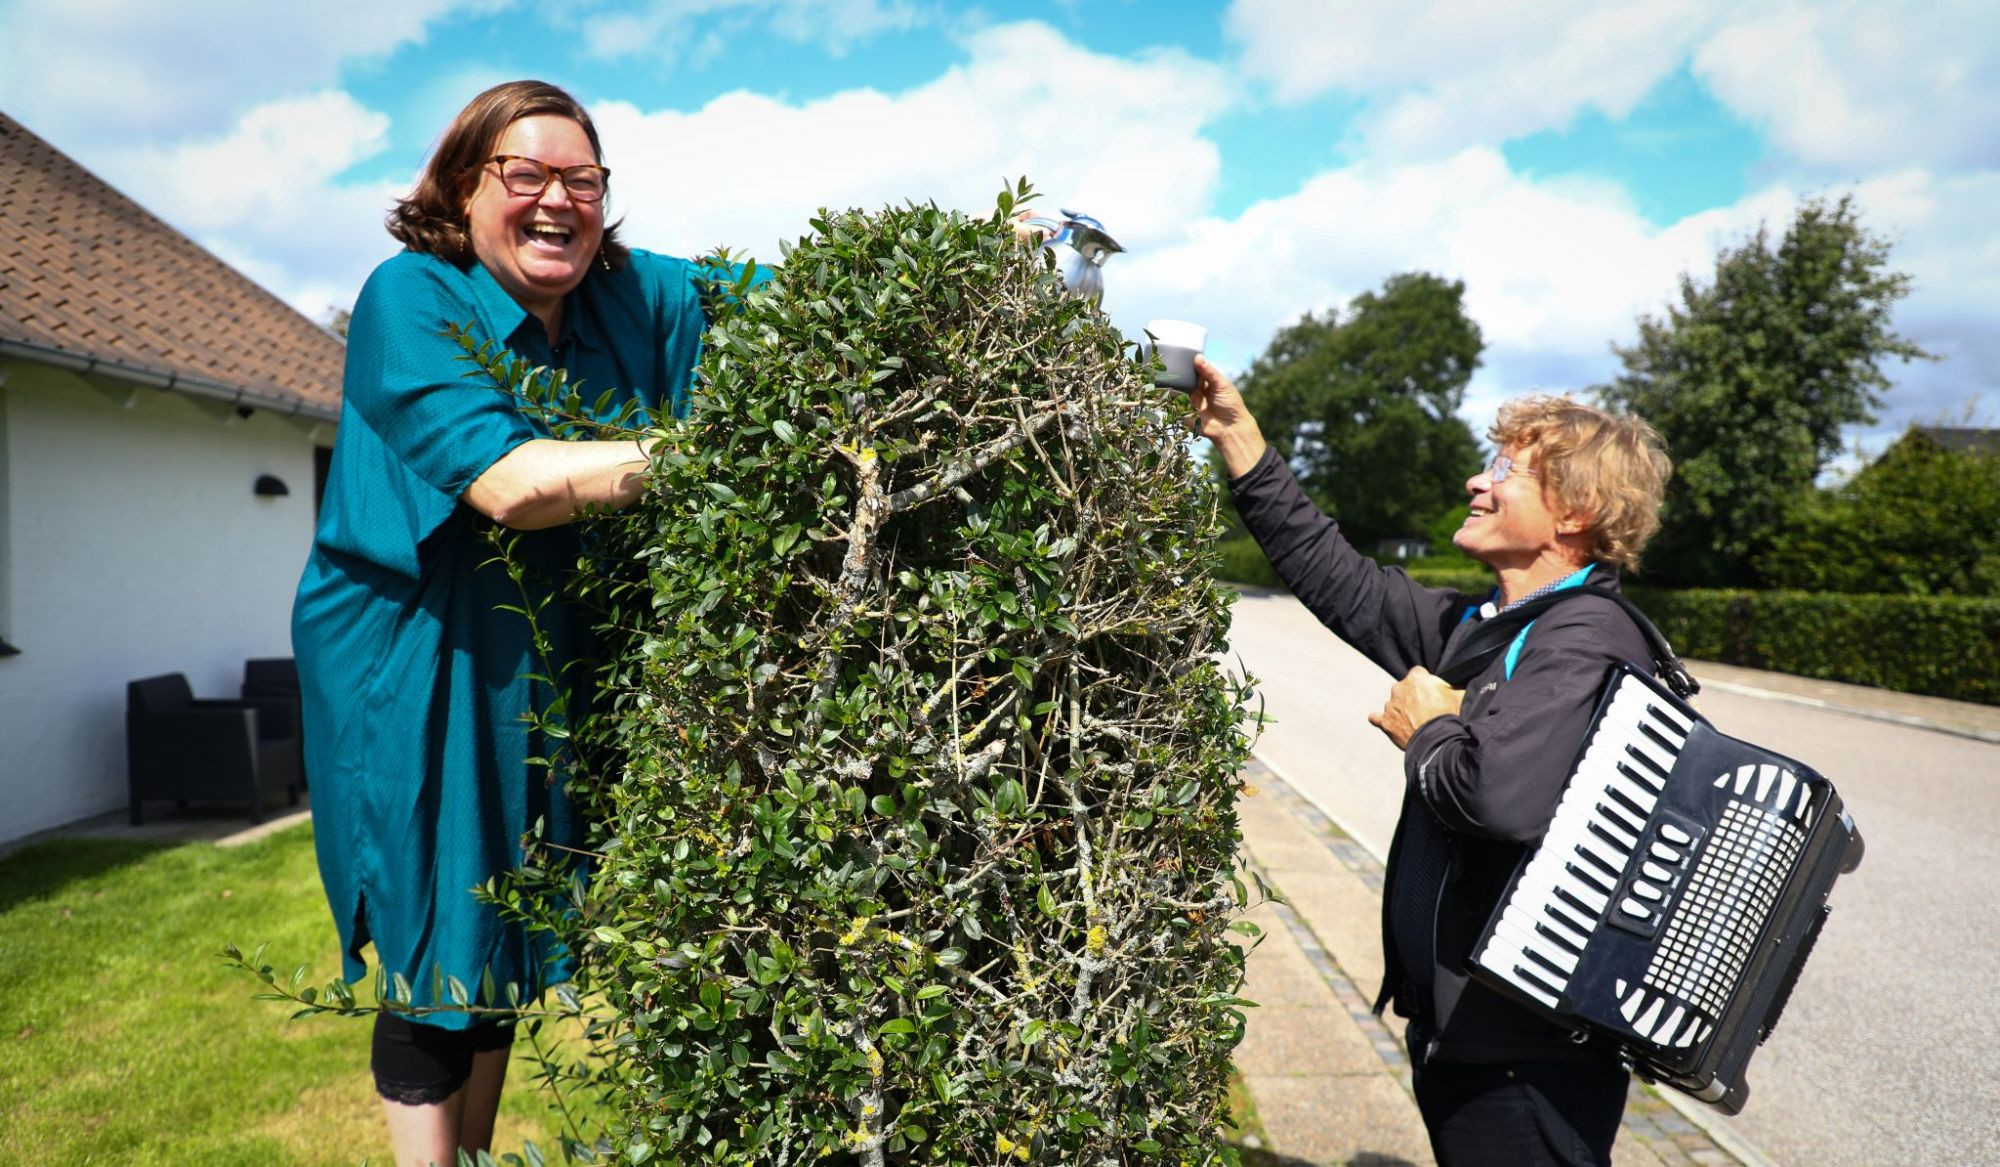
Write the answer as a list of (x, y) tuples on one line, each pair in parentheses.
[(1491, 636)]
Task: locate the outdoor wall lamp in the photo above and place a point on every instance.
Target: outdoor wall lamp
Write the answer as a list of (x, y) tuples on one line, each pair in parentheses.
[(271, 486)]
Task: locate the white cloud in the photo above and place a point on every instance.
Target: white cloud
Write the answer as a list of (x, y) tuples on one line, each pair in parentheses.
[(1939, 225), (1442, 75), (1856, 88), (1557, 271), (1553, 271), (1843, 89), (266, 195), (81, 71), (1120, 138)]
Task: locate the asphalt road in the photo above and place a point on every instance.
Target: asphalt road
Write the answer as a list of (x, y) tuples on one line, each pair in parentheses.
[(1890, 1050)]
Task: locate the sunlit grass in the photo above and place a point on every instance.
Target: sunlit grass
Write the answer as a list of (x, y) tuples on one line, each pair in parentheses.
[(124, 1040)]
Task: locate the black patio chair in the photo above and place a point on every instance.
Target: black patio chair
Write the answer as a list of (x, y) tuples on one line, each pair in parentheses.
[(180, 748), (276, 678)]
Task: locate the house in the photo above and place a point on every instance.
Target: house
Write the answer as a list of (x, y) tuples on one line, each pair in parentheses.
[(163, 428), (1959, 439), (1402, 548)]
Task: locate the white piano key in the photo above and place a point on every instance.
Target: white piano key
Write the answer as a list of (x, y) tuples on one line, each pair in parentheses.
[(1603, 851), (1553, 953), (1641, 797), (1644, 749), (1561, 930), (1661, 715), (1592, 902), (1530, 988)]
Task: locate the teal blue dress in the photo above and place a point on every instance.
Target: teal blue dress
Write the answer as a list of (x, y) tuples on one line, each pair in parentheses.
[(414, 683)]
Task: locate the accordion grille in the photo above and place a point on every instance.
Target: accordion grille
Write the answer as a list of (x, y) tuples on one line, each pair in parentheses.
[(1723, 911)]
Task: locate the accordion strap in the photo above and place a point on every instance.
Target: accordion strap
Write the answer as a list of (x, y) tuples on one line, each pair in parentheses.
[(1490, 637)]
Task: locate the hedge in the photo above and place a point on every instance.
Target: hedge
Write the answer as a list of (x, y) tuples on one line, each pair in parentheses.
[(1941, 646), (1243, 562)]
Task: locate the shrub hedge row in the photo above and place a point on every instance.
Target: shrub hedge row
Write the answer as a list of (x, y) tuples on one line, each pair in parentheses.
[(1941, 646)]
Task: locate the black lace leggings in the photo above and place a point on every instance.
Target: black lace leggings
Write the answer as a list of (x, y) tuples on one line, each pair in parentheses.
[(422, 1065)]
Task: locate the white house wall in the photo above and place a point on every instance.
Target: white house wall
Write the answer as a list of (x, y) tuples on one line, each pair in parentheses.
[(131, 544)]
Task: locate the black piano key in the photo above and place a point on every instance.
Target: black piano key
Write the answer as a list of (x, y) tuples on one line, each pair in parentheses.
[(1558, 913), (1673, 750), (1625, 800), (1651, 780), (1667, 718), (1586, 877), (1646, 760), (1600, 862), (1529, 975), (1622, 846), (1618, 819), (1546, 963), (1568, 897), (1557, 937)]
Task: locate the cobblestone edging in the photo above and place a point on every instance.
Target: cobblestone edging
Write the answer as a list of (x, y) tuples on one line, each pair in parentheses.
[(1650, 1118)]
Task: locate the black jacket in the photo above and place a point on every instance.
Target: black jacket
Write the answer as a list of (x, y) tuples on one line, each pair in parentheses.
[(1490, 776)]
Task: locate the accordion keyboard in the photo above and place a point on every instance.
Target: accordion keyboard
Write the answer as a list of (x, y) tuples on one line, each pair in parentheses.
[(1592, 843)]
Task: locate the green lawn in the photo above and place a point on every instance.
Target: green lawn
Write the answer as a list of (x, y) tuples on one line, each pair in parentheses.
[(124, 1040)]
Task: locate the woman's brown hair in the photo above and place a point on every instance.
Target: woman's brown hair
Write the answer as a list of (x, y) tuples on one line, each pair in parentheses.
[(432, 219)]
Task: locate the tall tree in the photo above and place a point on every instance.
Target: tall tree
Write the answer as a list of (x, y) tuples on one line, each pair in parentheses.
[(1919, 520), (1365, 409), (1750, 379)]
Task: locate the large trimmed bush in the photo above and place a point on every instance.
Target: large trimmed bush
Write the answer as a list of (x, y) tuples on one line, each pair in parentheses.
[(913, 766)]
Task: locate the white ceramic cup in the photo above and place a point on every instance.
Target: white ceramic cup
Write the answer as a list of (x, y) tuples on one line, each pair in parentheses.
[(1177, 342)]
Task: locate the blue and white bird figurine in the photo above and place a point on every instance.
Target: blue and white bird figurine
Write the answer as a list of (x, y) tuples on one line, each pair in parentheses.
[(1088, 244)]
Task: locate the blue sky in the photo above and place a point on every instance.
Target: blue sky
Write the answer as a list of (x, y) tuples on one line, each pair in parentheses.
[(1260, 158)]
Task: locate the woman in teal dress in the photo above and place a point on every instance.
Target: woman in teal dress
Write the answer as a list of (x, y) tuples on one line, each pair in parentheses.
[(415, 681)]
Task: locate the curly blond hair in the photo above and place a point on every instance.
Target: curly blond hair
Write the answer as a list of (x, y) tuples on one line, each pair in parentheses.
[(1610, 469)]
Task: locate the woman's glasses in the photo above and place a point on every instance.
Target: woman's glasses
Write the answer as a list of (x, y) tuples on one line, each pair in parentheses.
[(529, 177)]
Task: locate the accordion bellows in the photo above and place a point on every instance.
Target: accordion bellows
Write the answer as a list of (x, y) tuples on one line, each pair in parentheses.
[(1669, 908)]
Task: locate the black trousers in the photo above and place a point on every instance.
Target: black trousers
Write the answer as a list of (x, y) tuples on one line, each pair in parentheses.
[(1522, 1114)]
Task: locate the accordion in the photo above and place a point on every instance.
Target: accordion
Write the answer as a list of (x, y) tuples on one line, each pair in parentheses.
[(1669, 909)]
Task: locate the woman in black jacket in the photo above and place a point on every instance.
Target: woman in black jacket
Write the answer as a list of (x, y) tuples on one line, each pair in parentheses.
[(1569, 501)]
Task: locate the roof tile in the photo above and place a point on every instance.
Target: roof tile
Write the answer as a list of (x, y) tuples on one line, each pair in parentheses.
[(99, 276)]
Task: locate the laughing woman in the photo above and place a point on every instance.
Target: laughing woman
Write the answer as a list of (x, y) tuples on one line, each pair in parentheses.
[(415, 682)]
